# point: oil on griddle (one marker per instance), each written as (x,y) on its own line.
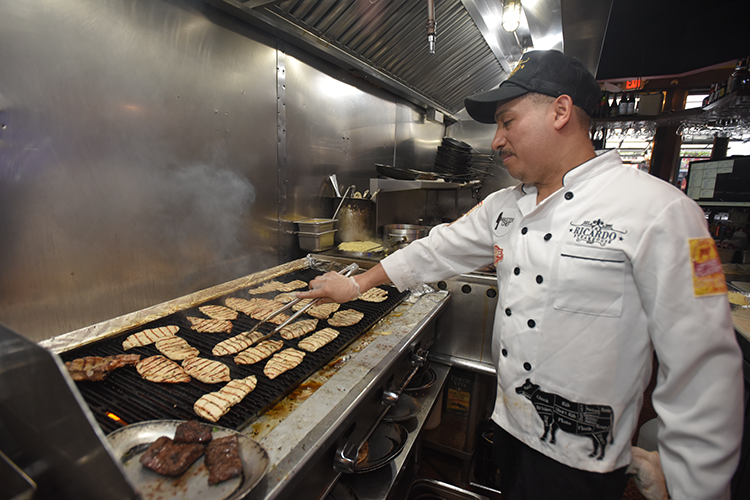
(125,398)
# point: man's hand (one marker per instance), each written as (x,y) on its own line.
(332,287)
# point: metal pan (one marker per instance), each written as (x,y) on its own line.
(385,443)
(406,408)
(130,442)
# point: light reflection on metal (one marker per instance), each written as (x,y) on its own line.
(511,15)
(431,26)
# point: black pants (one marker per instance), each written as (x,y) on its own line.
(526,474)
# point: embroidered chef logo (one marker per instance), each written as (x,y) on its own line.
(596,231)
(498,255)
(503,221)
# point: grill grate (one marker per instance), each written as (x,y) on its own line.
(125,394)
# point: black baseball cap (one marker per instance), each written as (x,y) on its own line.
(548,72)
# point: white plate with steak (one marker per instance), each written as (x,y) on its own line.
(131,442)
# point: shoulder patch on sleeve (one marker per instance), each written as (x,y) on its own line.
(467,213)
(708,275)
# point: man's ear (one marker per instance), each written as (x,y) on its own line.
(563,111)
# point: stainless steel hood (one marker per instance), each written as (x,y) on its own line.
(385,41)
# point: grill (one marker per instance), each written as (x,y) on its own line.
(125,398)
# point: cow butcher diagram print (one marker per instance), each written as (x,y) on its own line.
(580,419)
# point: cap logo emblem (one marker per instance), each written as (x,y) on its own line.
(521,64)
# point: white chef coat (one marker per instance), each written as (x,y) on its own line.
(591,281)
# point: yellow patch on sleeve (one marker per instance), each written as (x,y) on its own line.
(708,275)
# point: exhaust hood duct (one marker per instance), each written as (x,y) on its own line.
(431,25)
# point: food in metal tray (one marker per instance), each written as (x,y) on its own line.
(259,352)
(193,431)
(223,459)
(161,370)
(318,339)
(738,299)
(236,344)
(149,336)
(210,325)
(176,348)
(214,311)
(347,317)
(374,295)
(96,369)
(206,370)
(283,361)
(322,311)
(214,405)
(298,329)
(169,458)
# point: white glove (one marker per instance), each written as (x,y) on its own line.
(332,287)
(649,478)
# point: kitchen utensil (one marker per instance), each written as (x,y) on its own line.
(316,225)
(341,202)
(404,233)
(316,242)
(335,184)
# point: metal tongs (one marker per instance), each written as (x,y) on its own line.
(347,271)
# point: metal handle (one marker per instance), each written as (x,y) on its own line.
(341,202)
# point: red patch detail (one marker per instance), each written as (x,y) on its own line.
(498,255)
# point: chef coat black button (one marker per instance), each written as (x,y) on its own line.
(531,323)
(547,236)
(568,195)
(507,312)
(517,271)
(524,230)
(539,279)
(527,366)
(505,353)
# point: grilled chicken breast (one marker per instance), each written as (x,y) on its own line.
(374,295)
(210,325)
(318,339)
(218,312)
(285,297)
(95,369)
(298,329)
(263,308)
(259,352)
(270,286)
(146,337)
(347,317)
(214,405)
(161,370)
(292,285)
(236,344)
(176,348)
(283,361)
(322,311)
(207,370)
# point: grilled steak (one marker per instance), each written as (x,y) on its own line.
(223,459)
(259,352)
(322,311)
(193,431)
(169,458)
(298,329)
(218,312)
(206,370)
(283,361)
(176,348)
(347,317)
(95,369)
(318,339)
(213,405)
(374,295)
(210,325)
(160,369)
(236,344)
(146,337)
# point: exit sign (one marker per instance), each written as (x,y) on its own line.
(633,84)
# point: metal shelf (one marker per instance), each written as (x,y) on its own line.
(723,203)
(389,185)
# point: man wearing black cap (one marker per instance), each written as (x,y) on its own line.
(599,266)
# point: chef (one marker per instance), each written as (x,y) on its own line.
(599,266)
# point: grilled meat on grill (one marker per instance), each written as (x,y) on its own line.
(292,285)
(218,312)
(285,297)
(193,431)
(223,459)
(95,368)
(262,308)
(169,458)
(213,405)
(210,325)
(322,311)
(347,317)
(298,329)
(162,370)
(301,304)
(176,348)
(206,370)
(236,344)
(374,295)
(270,286)
(259,352)
(283,361)
(318,339)
(149,336)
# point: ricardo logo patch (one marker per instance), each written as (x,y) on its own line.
(708,275)
(498,255)
(596,231)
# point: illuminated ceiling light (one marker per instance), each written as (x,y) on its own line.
(511,15)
